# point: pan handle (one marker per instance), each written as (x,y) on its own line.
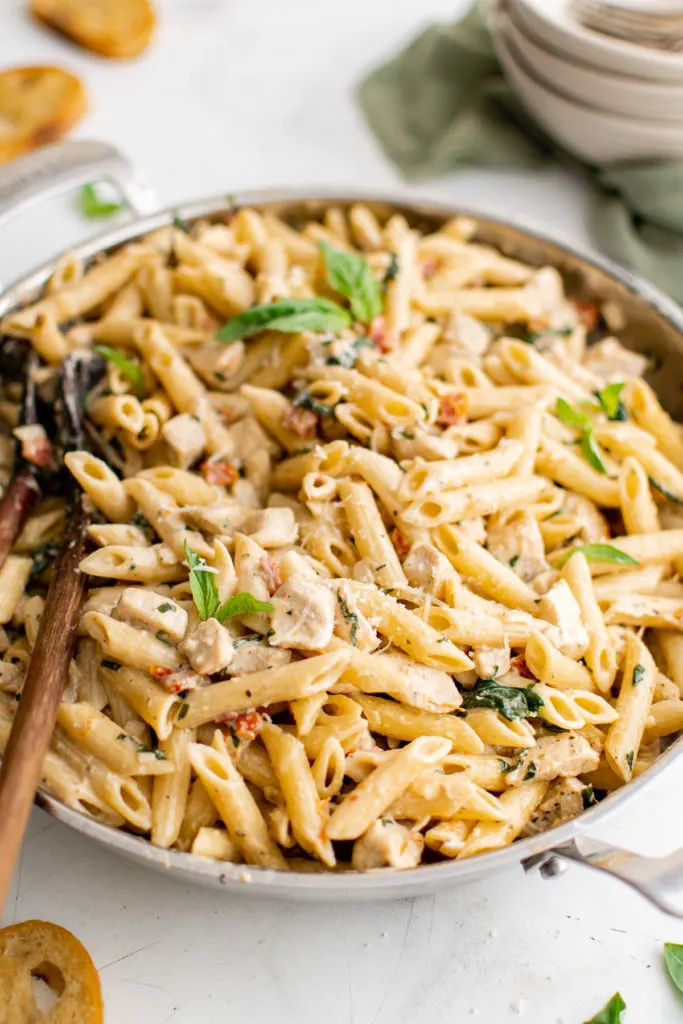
(658,879)
(56,169)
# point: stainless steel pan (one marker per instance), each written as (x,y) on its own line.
(655,324)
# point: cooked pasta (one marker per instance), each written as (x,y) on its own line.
(378,566)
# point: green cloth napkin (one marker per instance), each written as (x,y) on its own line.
(443,103)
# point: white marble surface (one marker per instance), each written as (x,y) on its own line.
(244,93)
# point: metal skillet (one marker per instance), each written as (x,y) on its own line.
(654,323)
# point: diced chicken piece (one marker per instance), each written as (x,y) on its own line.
(255,655)
(466,334)
(591,524)
(426,568)
(185,438)
(160,614)
(565,754)
(491,662)
(474,528)
(223,519)
(349,623)
(517,541)
(547,285)
(256,575)
(248,436)
(11,676)
(209,648)
(387,844)
(559,607)
(563,801)
(215,362)
(610,361)
(303,615)
(271,527)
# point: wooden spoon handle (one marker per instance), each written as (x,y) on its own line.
(45,681)
(18,500)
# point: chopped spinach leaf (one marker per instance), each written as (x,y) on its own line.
(511,701)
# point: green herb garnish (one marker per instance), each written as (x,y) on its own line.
(599,553)
(125,365)
(351,276)
(165,607)
(392,270)
(611,403)
(182,711)
(92,207)
(588,797)
(288,316)
(610,1013)
(580,421)
(630,758)
(512,701)
(638,674)
(350,617)
(673,958)
(531,772)
(206,597)
(667,494)
(142,748)
(304,400)
(349,357)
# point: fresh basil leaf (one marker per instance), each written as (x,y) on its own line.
(512,701)
(673,958)
(581,421)
(92,206)
(289,316)
(241,604)
(351,276)
(203,585)
(572,417)
(591,452)
(599,553)
(611,403)
(611,1013)
(638,673)
(125,365)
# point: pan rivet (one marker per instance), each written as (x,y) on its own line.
(552,867)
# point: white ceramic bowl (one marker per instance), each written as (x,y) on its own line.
(602,90)
(551,23)
(592,135)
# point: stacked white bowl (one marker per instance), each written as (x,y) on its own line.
(605,100)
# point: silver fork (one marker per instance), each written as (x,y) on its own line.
(661,28)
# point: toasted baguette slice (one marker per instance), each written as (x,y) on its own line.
(114,28)
(37,105)
(57,956)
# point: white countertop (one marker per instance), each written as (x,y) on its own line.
(245,93)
